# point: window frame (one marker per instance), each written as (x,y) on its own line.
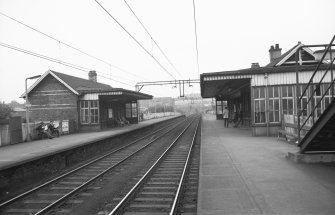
(90,112)
(259,101)
(304,99)
(274,96)
(285,97)
(131,110)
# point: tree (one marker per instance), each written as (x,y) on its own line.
(5,110)
(15,104)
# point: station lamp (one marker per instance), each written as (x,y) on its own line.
(27,105)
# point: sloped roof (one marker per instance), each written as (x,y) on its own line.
(287,56)
(74,84)
(276,61)
(80,84)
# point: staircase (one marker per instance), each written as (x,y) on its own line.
(321,137)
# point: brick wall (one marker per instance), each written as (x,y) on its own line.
(51,100)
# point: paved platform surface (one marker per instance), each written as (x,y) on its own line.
(241,174)
(12,155)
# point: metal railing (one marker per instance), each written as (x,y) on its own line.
(316,97)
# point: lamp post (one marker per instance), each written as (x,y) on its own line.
(27,106)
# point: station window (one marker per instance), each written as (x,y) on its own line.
(274,107)
(328,96)
(304,107)
(259,104)
(219,107)
(131,110)
(110,113)
(317,100)
(287,99)
(89,112)
(134,110)
(128,110)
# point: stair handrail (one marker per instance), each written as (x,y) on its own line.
(311,97)
(318,85)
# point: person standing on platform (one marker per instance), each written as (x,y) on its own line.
(225,114)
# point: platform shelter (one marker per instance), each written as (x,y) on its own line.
(265,98)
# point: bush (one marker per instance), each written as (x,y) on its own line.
(5,111)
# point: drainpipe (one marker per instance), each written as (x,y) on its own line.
(267,105)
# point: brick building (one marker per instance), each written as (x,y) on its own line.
(87,104)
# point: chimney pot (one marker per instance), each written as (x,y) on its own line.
(255,65)
(92,76)
(274,52)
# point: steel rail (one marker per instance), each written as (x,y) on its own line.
(125,199)
(182,179)
(85,165)
(58,201)
(74,170)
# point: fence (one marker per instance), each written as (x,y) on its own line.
(147,116)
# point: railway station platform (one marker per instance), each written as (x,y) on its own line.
(240,174)
(13,155)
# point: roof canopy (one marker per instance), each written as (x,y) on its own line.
(81,87)
(222,84)
(115,94)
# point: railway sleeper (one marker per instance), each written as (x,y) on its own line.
(149,207)
(156,194)
(162,183)
(159,189)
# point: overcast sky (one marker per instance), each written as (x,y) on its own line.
(231,35)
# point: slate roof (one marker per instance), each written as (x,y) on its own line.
(276,61)
(81,84)
(272,67)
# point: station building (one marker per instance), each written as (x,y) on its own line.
(85,103)
(265,98)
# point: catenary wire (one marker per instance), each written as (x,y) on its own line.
(196,36)
(68,45)
(138,19)
(74,66)
(135,39)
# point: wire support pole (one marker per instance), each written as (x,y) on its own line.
(181,84)
(196,37)
(138,43)
(173,82)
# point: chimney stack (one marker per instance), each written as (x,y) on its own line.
(275,52)
(254,65)
(92,76)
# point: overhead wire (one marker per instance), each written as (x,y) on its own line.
(196,36)
(64,63)
(74,66)
(134,39)
(68,45)
(146,30)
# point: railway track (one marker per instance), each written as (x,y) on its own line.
(162,188)
(55,192)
